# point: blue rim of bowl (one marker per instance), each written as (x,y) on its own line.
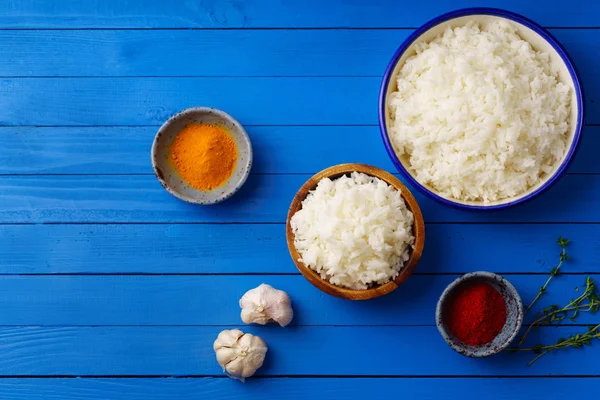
(513,17)
(221,114)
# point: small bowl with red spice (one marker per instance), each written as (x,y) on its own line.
(201,155)
(479,314)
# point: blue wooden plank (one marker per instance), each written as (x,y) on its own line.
(226,53)
(41,249)
(586,159)
(150,101)
(142,101)
(208,249)
(269,13)
(119,150)
(264,198)
(330,351)
(213,300)
(202,53)
(278,149)
(293,388)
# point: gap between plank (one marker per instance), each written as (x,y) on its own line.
(265,273)
(275,28)
(283,223)
(177,76)
(158,125)
(220,325)
(251,173)
(158,376)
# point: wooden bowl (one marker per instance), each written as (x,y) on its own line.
(418,232)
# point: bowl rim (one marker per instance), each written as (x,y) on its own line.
(418,232)
(201,110)
(495,12)
(486,275)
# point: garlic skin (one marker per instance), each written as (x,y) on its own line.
(266,304)
(240,354)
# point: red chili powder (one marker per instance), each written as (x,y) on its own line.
(476,313)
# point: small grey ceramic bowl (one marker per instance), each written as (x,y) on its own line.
(168,176)
(514,314)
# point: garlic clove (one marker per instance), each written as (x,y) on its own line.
(280,308)
(253,350)
(265,304)
(227,338)
(226,355)
(250,315)
(236,368)
(239,354)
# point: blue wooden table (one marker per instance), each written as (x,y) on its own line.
(108,279)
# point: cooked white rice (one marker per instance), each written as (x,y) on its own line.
(355,231)
(480,114)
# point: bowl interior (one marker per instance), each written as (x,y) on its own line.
(418,232)
(166,172)
(514,314)
(539,43)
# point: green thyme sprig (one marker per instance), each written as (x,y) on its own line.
(577,341)
(554,271)
(588,301)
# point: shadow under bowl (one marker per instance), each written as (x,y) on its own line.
(166,173)
(418,232)
(514,314)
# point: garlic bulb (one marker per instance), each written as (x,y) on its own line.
(240,354)
(266,304)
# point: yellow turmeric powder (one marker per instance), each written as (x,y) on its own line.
(204,155)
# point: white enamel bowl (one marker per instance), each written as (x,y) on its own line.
(541,40)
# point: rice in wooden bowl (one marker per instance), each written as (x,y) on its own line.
(383,257)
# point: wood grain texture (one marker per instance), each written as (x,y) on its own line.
(198,53)
(269,13)
(213,300)
(226,52)
(290,388)
(278,149)
(125,150)
(418,231)
(318,351)
(81,102)
(264,198)
(208,249)
(150,101)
